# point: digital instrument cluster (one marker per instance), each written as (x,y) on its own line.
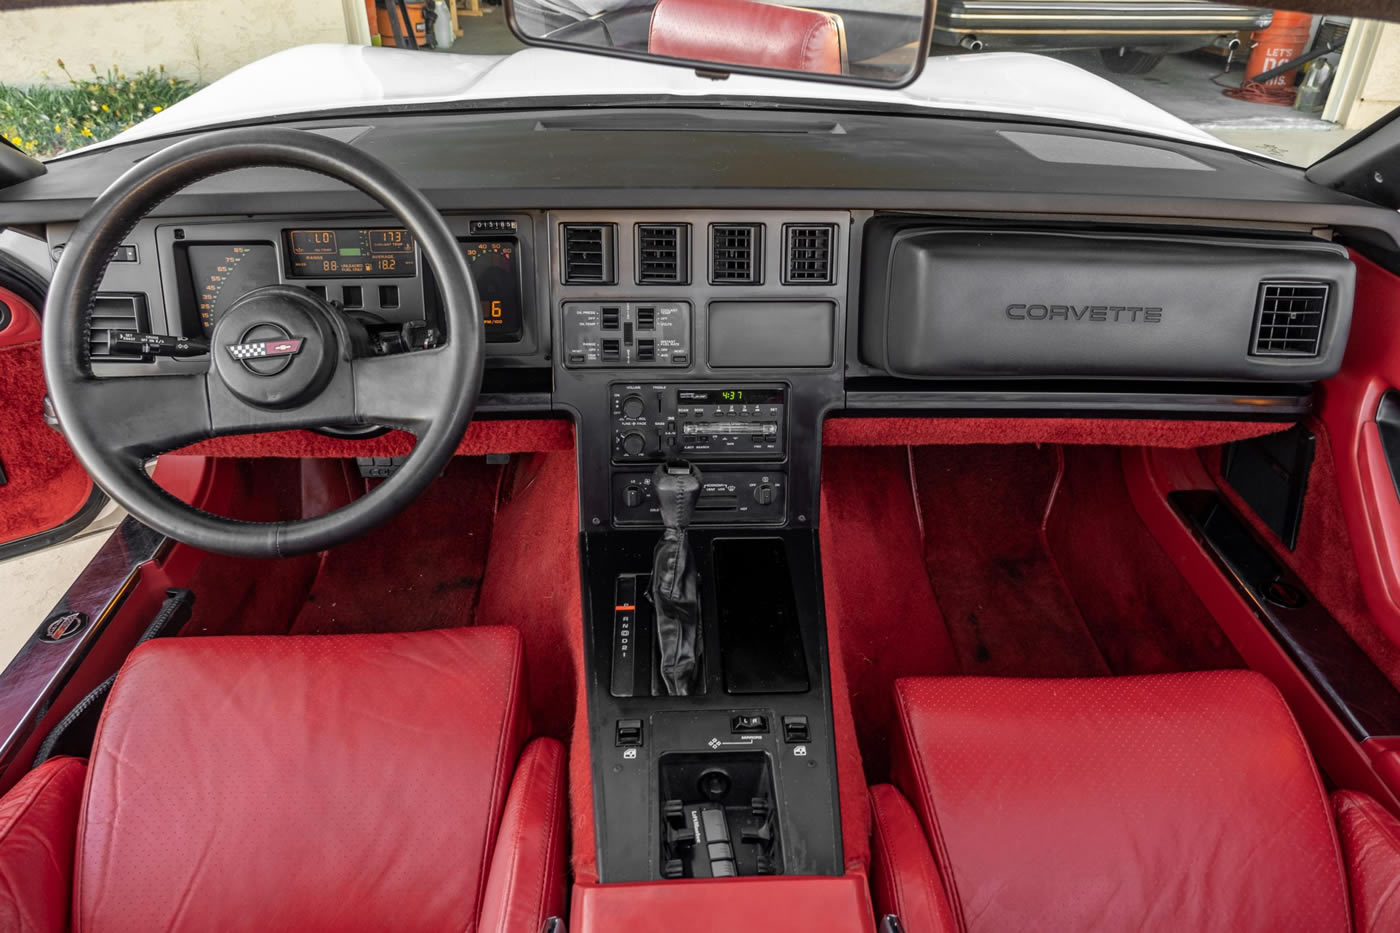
(362,269)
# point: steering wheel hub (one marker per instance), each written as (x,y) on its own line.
(276,347)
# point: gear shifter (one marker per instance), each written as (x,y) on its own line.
(675,591)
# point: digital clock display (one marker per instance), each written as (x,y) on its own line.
(734,396)
(352,253)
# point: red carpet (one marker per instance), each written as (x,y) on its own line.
(1007,608)
(420,570)
(46,486)
(1139,610)
(879,604)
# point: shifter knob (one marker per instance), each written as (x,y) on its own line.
(675,590)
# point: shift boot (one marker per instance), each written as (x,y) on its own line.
(675,592)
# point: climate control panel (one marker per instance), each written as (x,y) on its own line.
(614,334)
(698,421)
(727,497)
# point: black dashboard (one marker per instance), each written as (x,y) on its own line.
(634,262)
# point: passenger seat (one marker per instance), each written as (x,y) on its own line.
(1164,802)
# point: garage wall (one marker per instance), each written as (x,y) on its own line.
(196,39)
(1380,91)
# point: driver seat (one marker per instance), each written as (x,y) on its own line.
(346,782)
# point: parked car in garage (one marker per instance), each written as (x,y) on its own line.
(1131,35)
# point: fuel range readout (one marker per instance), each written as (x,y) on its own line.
(338,253)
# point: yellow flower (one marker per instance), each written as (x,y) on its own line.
(57,128)
(17,141)
(87,132)
(157,108)
(106,108)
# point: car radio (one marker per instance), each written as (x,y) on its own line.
(698,422)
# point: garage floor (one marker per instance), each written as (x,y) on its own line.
(1190,86)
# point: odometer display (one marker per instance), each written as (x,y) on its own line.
(351,253)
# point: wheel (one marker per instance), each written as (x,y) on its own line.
(319,376)
(1122,61)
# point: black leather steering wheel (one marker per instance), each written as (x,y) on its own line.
(260,378)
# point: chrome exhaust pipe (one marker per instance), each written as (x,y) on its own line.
(971,43)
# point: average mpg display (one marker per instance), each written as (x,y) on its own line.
(340,253)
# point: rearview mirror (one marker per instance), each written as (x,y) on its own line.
(872,42)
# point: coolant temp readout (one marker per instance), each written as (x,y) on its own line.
(385,251)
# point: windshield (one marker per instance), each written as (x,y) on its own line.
(1292,86)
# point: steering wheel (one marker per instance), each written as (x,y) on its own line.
(280,357)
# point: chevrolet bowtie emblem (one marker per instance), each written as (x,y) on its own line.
(290,346)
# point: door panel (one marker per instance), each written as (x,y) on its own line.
(1351,403)
(45,495)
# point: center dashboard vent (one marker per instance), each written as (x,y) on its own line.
(1289,318)
(663,252)
(736,254)
(116,312)
(588,254)
(808,254)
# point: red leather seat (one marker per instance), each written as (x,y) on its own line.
(743,32)
(346,782)
(1168,802)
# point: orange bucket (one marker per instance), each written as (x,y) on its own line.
(1284,40)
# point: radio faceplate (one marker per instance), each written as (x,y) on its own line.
(698,421)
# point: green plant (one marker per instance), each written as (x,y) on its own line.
(45,121)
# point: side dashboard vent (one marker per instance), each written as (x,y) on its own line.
(112,313)
(1288,320)
(663,251)
(588,254)
(809,256)
(736,254)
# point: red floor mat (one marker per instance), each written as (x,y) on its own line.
(1007,609)
(1141,613)
(420,570)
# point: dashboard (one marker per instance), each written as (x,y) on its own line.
(717,284)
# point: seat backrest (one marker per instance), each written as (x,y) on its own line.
(746,32)
(1168,802)
(321,782)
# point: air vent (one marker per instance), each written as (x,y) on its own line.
(611,315)
(116,312)
(663,251)
(646,318)
(588,254)
(735,254)
(1289,319)
(808,254)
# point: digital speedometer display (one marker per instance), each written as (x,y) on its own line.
(347,253)
(221,274)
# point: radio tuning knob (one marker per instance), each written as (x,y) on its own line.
(633,406)
(634,444)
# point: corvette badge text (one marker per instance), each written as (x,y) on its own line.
(1097,314)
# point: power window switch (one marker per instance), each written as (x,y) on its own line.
(795,729)
(629,733)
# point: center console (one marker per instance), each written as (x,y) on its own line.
(698,402)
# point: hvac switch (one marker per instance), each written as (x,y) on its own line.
(763,494)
